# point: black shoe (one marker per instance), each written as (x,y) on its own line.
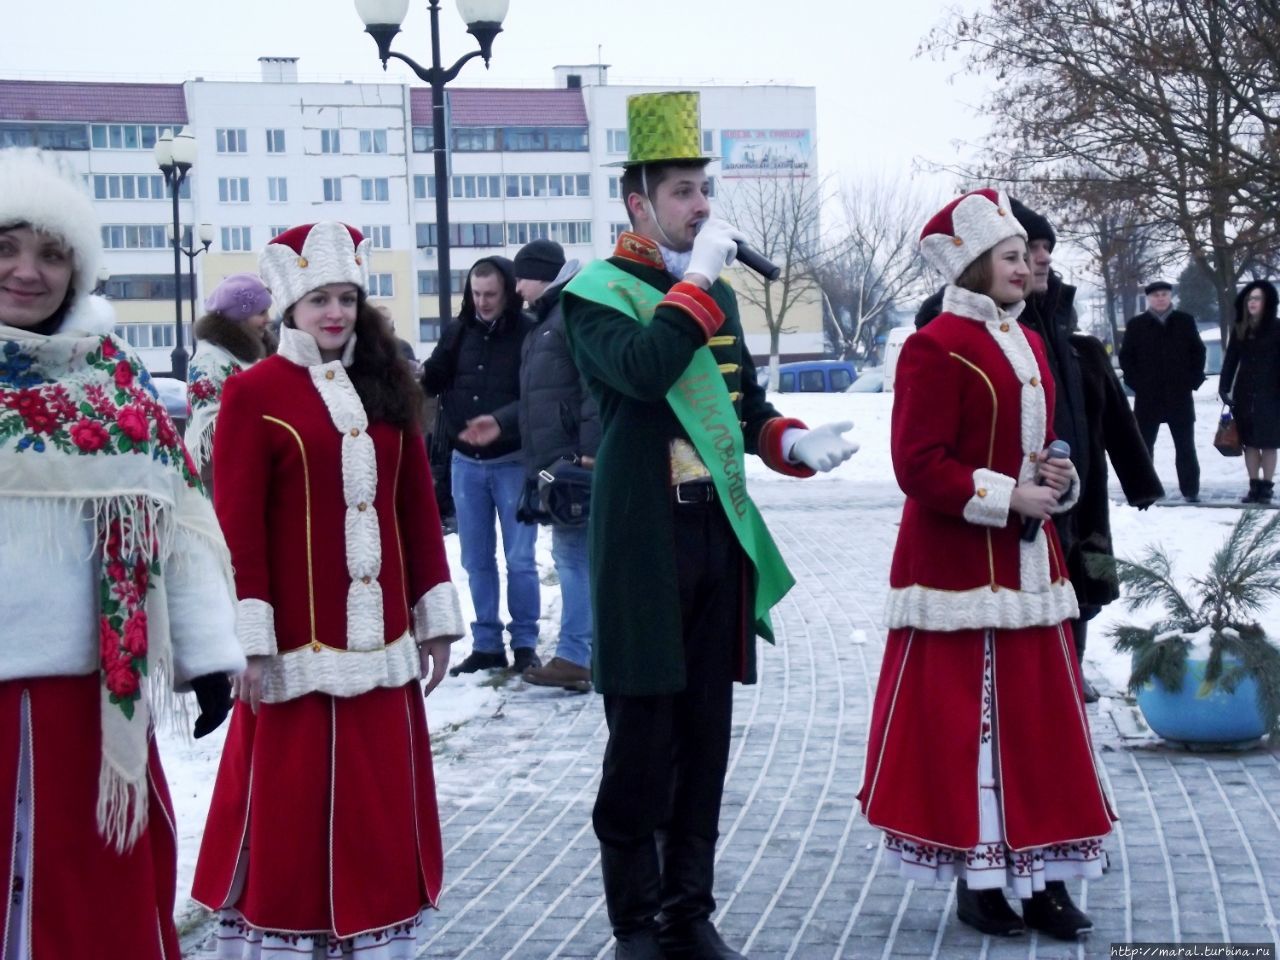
(526,658)
(449,524)
(1089,690)
(1252,495)
(1266,490)
(1191,497)
(480,661)
(638,946)
(987,911)
(697,941)
(1051,912)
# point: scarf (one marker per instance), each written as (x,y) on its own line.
(208,373)
(80,423)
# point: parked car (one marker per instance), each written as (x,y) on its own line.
(870,380)
(173,394)
(892,347)
(1212,337)
(816,376)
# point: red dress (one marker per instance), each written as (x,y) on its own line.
(979,688)
(324,818)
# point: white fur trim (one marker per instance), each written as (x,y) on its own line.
(256,627)
(999,609)
(437,615)
(978,225)
(328,256)
(339,673)
(90,315)
(989,505)
(41,189)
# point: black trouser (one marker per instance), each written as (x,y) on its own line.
(1183,429)
(657,814)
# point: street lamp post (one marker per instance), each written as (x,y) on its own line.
(205,235)
(175,156)
(382,19)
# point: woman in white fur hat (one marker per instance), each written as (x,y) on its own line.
(323,831)
(979,765)
(116,584)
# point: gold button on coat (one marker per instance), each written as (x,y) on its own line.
(329,374)
(1004,328)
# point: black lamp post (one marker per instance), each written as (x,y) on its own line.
(175,157)
(382,19)
(206,238)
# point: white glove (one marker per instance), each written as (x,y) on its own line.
(714,248)
(822,448)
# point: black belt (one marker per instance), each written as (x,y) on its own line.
(695,491)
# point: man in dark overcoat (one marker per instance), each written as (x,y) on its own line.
(683,570)
(1162,357)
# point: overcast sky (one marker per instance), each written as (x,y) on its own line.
(880,109)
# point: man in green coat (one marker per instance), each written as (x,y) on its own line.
(683,570)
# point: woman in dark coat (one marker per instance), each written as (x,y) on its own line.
(1250,384)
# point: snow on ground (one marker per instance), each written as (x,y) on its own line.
(1190,534)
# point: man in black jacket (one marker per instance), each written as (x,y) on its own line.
(475,370)
(558,421)
(1162,357)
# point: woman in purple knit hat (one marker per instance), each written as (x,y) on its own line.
(234,333)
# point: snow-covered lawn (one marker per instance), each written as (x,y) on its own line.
(1190,534)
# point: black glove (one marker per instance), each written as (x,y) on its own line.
(213,693)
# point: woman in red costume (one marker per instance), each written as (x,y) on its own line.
(323,836)
(979,763)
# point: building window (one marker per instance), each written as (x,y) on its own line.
(423,139)
(561,231)
(46,136)
(330,141)
(615,187)
(129,236)
(616,230)
(332,189)
(475,139)
(144,286)
(429,329)
(277,229)
(382,285)
(373,141)
(375,190)
(476,187)
(144,335)
(429,281)
(711,186)
(277,189)
(233,189)
(424,187)
(117,136)
(236,239)
(707,140)
(379,236)
(462,235)
(129,186)
(616,141)
(547,185)
(275,141)
(232,141)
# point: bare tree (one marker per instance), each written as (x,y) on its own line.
(780,214)
(871,263)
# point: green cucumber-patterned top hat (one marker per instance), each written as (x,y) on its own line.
(662,127)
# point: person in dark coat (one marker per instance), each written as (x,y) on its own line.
(1250,384)
(475,370)
(558,420)
(1162,357)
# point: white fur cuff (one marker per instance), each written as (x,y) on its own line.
(256,627)
(989,505)
(437,615)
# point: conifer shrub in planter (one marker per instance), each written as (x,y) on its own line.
(1207,673)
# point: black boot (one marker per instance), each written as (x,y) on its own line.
(1051,912)
(697,941)
(1252,495)
(1266,488)
(476,660)
(688,874)
(631,895)
(987,911)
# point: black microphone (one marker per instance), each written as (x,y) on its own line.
(758,262)
(1058,450)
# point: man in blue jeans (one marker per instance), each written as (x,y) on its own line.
(558,421)
(475,370)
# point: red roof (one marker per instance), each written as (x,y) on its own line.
(497,107)
(88,102)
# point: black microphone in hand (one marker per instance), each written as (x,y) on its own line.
(757,261)
(1058,450)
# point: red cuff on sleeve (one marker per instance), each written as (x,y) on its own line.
(698,304)
(770,447)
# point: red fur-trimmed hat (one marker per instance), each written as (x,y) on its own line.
(966,228)
(312,255)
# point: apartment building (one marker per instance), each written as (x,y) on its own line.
(523,163)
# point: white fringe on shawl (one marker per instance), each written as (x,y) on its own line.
(211,362)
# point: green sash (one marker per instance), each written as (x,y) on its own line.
(702,404)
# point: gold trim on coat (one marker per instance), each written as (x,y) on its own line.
(306,482)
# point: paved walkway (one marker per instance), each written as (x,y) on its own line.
(1196,856)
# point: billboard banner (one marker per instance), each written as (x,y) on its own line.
(765,153)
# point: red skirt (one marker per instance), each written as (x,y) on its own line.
(323,818)
(921,778)
(80,898)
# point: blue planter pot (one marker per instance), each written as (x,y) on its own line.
(1219,719)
